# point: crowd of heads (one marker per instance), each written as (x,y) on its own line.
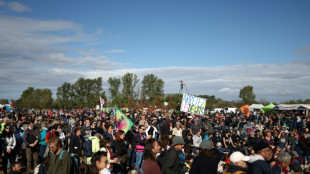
(282,137)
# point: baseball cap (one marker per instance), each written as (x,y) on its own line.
(238,156)
(218,144)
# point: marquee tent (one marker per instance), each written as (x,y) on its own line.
(255,107)
(267,108)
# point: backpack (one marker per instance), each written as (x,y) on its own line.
(88,148)
(161,159)
(75,162)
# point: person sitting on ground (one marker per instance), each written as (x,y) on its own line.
(283,162)
(16,167)
(237,163)
(207,155)
(257,163)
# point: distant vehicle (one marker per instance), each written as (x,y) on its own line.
(230,110)
(218,110)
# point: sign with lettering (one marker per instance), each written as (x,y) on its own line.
(192,104)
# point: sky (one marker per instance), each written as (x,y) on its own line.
(215,47)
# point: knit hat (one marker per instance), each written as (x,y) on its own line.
(260,146)
(206,144)
(177,140)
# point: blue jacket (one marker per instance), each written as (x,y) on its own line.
(43,135)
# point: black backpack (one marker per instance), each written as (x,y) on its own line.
(87,148)
(161,159)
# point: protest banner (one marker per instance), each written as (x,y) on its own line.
(245,110)
(192,104)
(123,122)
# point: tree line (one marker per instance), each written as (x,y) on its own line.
(123,92)
(85,93)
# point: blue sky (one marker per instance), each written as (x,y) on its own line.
(227,39)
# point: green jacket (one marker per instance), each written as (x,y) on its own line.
(60,166)
(95,147)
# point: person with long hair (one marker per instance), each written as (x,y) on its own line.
(151,149)
(120,149)
(75,145)
(99,163)
(207,160)
(8,147)
(105,146)
(101,127)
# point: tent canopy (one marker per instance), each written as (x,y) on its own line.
(255,106)
(292,107)
(268,108)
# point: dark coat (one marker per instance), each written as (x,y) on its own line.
(207,165)
(172,162)
(260,167)
(120,149)
(233,169)
(75,145)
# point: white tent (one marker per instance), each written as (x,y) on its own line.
(255,106)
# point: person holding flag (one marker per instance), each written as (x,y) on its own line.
(101,103)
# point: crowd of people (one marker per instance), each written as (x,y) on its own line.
(89,142)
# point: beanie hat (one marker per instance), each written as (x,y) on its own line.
(206,144)
(177,140)
(260,146)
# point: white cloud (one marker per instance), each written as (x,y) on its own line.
(114,51)
(229,90)
(305,50)
(18,7)
(31,55)
(2,3)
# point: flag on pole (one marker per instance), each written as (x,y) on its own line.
(245,110)
(123,122)
(101,103)
(11,103)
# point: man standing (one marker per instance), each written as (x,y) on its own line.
(173,161)
(237,163)
(31,139)
(60,162)
(257,162)
(149,165)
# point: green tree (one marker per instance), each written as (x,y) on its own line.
(129,81)
(35,98)
(152,86)
(114,87)
(87,92)
(45,98)
(247,95)
(83,93)
(65,96)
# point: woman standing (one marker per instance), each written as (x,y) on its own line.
(75,145)
(120,148)
(105,146)
(8,146)
(101,128)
